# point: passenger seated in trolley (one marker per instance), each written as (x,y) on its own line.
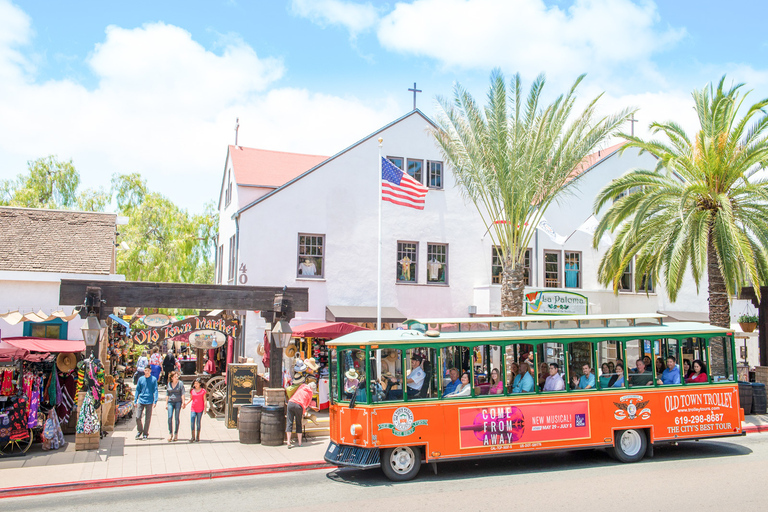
(617,380)
(586,381)
(699,372)
(523,382)
(554,381)
(641,377)
(454,383)
(671,375)
(414,380)
(463,389)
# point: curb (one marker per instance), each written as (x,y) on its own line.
(15,492)
(754,429)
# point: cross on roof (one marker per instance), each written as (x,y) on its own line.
(414,90)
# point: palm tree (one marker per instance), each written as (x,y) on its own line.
(512,158)
(702,206)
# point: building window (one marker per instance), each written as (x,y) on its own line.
(311,256)
(55,329)
(551,269)
(220,264)
(407,257)
(437,263)
(497,268)
(646,284)
(434,174)
(572,269)
(397,161)
(228,193)
(232,259)
(625,284)
(415,169)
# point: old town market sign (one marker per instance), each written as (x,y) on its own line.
(195,323)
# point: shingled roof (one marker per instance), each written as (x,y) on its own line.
(40,240)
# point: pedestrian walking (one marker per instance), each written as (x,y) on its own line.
(197,399)
(145,401)
(174,403)
(142,363)
(155,362)
(169,365)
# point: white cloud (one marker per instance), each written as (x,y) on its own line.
(528,36)
(354,17)
(163,106)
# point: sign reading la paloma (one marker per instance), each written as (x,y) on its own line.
(197,323)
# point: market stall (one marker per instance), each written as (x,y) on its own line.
(37,387)
(310,341)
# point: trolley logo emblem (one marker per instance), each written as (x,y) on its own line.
(632,406)
(402,422)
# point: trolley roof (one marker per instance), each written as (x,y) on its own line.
(531,336)
(632,318)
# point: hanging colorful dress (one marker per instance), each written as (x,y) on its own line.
(88,420)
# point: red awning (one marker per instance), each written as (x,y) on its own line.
(8,352)
(46,344)
(329,330)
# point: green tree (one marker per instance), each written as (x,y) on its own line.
(512,157)
(49,183)
(701,207)
(165,242)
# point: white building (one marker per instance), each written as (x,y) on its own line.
(41,247)
(279,209)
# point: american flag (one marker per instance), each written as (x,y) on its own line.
(399,188)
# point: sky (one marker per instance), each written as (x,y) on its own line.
(155,87)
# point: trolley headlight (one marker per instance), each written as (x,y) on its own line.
(356,429)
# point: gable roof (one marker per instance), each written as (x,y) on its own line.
(591,160)
(265,168)
(320,164)
(40,240)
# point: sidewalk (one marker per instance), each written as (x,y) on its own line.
(122,460)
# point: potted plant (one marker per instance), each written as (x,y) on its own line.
(748,323)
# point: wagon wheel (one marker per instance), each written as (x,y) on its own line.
(16,446)
(216,391)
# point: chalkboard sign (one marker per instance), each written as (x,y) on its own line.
(241,380)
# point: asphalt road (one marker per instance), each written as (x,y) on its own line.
(721,475)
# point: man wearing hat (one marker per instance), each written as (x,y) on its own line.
(414,381)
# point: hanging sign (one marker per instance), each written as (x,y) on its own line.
(207,339)
(195,323)
(156,320)
(556,302)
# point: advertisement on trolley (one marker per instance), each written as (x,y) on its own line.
(524,425)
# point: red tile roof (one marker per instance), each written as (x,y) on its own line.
(593,159)
(269,168)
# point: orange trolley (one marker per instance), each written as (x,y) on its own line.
(394,402)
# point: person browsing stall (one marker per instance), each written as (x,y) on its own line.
(297,406)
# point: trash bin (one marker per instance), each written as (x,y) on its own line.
(249,424)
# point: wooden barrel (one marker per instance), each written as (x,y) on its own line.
(249,424)
(273,425)
(745,396)
(758,398)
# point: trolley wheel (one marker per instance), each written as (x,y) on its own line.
(216,393)
(17,446)
(630,445)
(401,463)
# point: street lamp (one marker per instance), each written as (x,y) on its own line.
(91,331)
(282,333)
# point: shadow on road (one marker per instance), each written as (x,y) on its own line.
(542,462)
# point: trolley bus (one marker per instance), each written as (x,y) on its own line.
(394,402)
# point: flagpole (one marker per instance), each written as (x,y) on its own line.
(378,259)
